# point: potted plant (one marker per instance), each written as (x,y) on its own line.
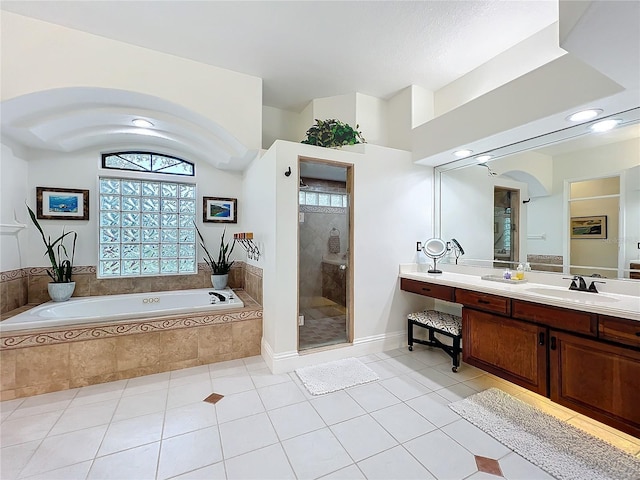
(61,288)
(220,268)
(333,133)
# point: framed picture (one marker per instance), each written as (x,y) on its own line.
(589,227)
(62,203)
(219,210)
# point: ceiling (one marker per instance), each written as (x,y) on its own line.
(312,49)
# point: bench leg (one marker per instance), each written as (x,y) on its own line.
(456,354)
(410,333)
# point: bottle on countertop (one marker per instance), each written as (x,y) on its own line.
(507,274)
(520,272)
(527,267)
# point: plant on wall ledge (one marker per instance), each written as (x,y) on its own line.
(333,133)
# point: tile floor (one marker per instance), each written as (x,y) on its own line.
(325,323)
(268,427)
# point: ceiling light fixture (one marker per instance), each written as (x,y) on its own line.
(462,153)
(483,158)
(584,115)
(605,125)
(142,123)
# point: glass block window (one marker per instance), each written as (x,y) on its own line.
(323,199)
(146,228)
(147,162)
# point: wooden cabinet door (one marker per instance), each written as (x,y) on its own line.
(511,349)
(597,379)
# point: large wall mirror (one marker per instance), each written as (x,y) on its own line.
(567,202)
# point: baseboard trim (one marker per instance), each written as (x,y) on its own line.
(288,361)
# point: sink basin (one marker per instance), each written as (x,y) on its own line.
(572,295)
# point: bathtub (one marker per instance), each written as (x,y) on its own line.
(107,308)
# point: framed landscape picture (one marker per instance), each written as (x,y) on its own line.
(589,227)
(220,210)
(62,203)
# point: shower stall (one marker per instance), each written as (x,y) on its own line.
(324,265)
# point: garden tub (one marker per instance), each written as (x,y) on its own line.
(114,308)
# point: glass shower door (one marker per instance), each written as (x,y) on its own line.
(323,269)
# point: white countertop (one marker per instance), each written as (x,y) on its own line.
(616,305)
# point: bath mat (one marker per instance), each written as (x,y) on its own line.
(562,450)
(333,376)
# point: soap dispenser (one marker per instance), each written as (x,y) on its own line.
(520,272)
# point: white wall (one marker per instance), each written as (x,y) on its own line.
(259,217)
(341,107)
(372,119)
(14,192)
(38,56)
(279,124)
(391,212)
(527,55)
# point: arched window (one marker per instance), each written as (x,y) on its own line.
(146,225)
(147,162)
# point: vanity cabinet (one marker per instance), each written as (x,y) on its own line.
(511,349)
(432,290)
(585,361)
(597,379)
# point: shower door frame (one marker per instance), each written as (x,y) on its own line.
(350,264)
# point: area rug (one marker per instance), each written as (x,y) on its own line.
(562,450)
(333,376)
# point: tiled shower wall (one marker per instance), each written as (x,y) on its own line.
(29,285)
(314,243)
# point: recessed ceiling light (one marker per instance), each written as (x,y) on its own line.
(142,123)
(483,158)
(584,115)
(605,125)
(462,153)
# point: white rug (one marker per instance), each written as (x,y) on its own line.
(564,451)
(334,376)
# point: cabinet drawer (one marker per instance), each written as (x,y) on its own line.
(559,318)
(619,330)
(484,301)
(433,290)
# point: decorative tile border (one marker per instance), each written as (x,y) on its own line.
(13,274)
(14,340)
(84,269)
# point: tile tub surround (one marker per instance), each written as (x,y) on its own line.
(29,285)
(40,361)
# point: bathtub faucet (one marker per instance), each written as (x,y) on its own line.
(217,295)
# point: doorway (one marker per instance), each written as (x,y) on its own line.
(324,254)
(506,215)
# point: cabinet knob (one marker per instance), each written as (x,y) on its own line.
(484,302)
(541,338)
(637,334)
(553,343)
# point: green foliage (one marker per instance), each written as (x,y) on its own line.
(60,269)
(223,265)
(333,133)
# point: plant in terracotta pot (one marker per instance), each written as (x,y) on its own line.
(333,133)
(61,288)
(220,268)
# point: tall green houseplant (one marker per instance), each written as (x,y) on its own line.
(333,133)
(61,269)
(223,264)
